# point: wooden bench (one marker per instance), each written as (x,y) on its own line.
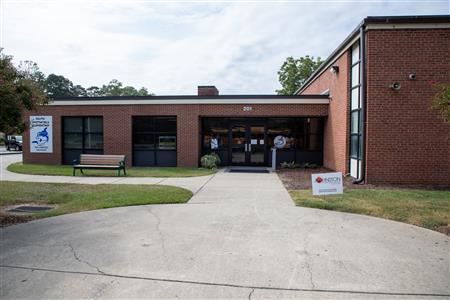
(95,161)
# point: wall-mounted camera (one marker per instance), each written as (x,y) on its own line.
(396,86)
(412,76)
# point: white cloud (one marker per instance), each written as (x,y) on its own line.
(173,47)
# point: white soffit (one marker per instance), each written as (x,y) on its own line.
(190,101)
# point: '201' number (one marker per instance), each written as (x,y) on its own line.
(247,108)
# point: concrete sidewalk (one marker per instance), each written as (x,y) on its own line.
(239,237)
(190,183)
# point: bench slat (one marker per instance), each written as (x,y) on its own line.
(100,161)
(93,159)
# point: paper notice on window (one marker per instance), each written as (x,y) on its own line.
(254,142)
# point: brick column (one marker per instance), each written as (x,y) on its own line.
(188,133)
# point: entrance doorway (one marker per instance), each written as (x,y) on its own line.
(248,143)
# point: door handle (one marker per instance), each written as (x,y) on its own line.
(245,147)
(249,147)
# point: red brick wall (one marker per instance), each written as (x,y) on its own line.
(117,125)
(407,141)
(336,131)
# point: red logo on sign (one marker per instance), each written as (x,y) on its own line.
(319,179)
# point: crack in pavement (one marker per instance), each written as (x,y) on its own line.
(308,266)
(75,255)
(160,233)
(251,293)
(31,269)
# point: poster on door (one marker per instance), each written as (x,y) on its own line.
(41,134)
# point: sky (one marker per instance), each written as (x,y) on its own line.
(171,47)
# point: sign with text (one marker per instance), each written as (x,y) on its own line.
(41,134)
(327,184)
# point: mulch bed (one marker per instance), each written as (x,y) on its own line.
(300,179)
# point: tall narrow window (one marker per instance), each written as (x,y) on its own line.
(355,112)
(81,135)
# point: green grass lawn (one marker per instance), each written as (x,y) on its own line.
(64,170)
(71,198)
(429,209)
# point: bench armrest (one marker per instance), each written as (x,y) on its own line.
(76,162)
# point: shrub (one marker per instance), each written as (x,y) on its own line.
(210,161)
(289,165)
(310,165)
(441,100)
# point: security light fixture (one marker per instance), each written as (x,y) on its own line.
(396,86)
(334,69)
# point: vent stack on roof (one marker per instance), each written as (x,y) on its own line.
(207,90)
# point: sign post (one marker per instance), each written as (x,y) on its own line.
(41,134)
(327,184)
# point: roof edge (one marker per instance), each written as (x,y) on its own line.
(372,20)
(189,97)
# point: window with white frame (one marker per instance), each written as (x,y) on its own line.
(355,112)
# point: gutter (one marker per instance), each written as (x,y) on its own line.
(362,97)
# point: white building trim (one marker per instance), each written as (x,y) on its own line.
(189,101)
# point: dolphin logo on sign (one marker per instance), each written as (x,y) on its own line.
(41,137)
(279,141)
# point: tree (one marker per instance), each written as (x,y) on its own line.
(294,72)
(94,91)
(59,86)
(79,91)
(113,88)
(19,91)
(30,70)
(116,88)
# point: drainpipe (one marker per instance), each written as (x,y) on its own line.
(362,121)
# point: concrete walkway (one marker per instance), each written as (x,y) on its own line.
(190,183)
(239,237)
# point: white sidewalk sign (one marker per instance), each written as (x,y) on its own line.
(327,184)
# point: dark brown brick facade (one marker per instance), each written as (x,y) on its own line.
(117,125)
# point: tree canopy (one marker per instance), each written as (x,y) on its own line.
(25,87)
(294,72)
(59,86)
(20,90)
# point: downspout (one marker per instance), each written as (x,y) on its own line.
(362,120)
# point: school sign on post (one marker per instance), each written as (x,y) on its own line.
(41,134)
(327,184)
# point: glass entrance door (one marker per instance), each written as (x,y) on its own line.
(256,145)
(238,144)
(248,144)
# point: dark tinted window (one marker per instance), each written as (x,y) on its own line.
(81,135)
(217,128)
(73,124)
(154,133)
(354,146)
(166,124)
